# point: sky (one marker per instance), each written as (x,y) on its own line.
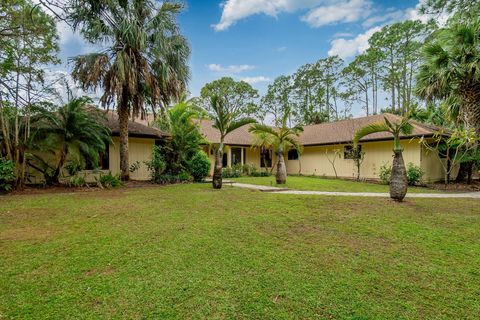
(259,40)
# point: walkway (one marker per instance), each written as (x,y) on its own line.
(474,195)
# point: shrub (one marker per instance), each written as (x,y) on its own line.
(76,181)
(185,176)
(73,167)
(231,172)
(385,173)
(260,174)
(157,165)
(414,174)
(110,181)
(166,179)
(199,166)
(7,174)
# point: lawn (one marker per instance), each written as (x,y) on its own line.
(325,184)
(189,252)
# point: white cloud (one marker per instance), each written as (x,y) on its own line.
(347,11)
(230,69)
(388,17)
(342,35)
(254,80)
(281,49)
(346,48)
(235,10)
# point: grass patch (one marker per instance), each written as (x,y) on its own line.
(324,184)
(189,252)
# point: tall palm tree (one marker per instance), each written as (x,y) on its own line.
(145,61)
(450,72)
(225,121)
(74,130)
(281,140)
(398,180)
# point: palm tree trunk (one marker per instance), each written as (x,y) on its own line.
(281,175)
(123,116)
(217,169)
(398,183)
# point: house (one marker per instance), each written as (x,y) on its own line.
(327,143)
(141,141)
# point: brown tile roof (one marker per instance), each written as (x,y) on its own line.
(321,134)
(240,136)
(135,129)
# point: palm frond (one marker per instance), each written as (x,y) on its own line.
(370,129)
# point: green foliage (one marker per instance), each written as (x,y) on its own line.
(414,174)
(157,164)
(199,166)
(185,176)
(110,180)
(233,172)
(76,181)
(73,167)
(135,166)
(238,96)
(385,173)
(179,122)
(74,131)
(256,173)
(7,175)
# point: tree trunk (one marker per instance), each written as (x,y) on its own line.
(217,170)
(398,181)
(61,162)
(123,116)
(281,175)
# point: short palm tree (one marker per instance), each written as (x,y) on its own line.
(225,121)
(398,180)
(145,61)
(281,140)
(74,130)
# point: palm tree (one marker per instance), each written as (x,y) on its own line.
(280,139)
(398,180)
(74,130)
(225,121)
(450,73)
(145,63)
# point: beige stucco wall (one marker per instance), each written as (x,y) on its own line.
(139,149)
(315,160)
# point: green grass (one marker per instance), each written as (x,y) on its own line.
(189,252)
(324,184)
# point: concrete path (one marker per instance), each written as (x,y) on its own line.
(474,195)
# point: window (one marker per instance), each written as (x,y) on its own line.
(348,152)
(293,154)
(236,156)
(265,158)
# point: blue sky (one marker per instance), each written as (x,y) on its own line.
(258,40)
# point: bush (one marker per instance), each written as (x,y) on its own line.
(76,182)
(260,174)
(157,165)
(7,174)
(185,176)
(199,166)
(73,167)
(385,173)
(110,181)
(231,172)
(167,179)
(414,174)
